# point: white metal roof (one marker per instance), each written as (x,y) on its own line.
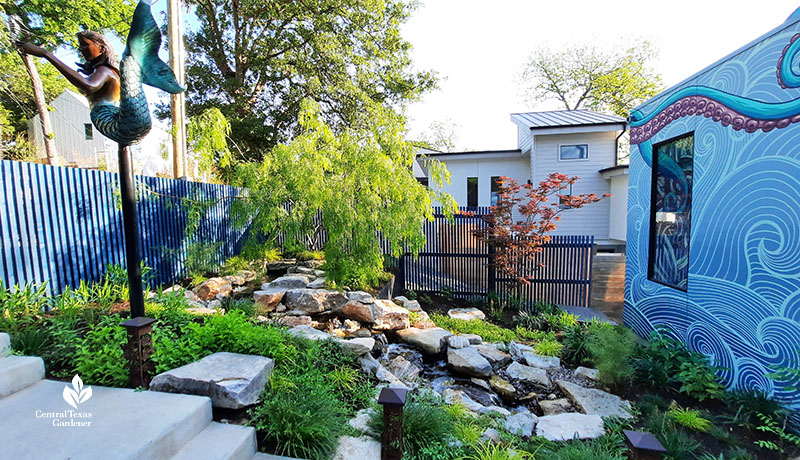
(564,118)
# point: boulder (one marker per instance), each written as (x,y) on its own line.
(400,300)
(235,280)
(490,435)
(318,283)
(362,448)
(290,282)
(503,387)
(555,407)
(309,333)
(456,341)
(215,304)
(468,361)
(388,316)
(521,424)
(452,396)
(495,356)
(474,339)
(431,340)
(595,402)
(542,362)
(267,300)
(213,287)
(358,311)
(372,367)
(587,373)
(532,375)
(314,301)
(565,427)
(360,296)
(356,347)
(190,295)
(403,369)
(421,320)
(231,380)
(412,305)
(305,270)
(517,350)
(294,321)
(466,314)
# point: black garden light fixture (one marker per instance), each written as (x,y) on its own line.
(644,446)
(392,400)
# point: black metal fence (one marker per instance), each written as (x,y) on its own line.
(454,260)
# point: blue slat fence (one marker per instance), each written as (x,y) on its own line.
(62,225)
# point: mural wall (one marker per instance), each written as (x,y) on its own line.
(739,300)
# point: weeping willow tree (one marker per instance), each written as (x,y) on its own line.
(360,180)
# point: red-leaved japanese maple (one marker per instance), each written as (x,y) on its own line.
(522,218)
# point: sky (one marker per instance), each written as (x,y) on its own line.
(479,48)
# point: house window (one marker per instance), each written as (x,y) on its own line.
(574,152)
(472,191)
(671,212)
(495,192)
(87,131)
(423,180)
(562,201)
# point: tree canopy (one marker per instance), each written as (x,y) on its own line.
(585,76)
(257,60)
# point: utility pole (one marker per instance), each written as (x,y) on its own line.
(178,101)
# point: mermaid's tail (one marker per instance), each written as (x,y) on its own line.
(130,121)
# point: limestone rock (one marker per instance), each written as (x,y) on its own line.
(400,300)
(503,387)
(201,311)
(318,283)
(555,407)
(360,296)
(495,356)
(213,287)
(294,321)
(231,380)
(466,313)
(497,410)
(452,396)
(356,347)
(388,316)
(5,344)
(468,361)
(403,369)
(190,295)
(363,448)
(456,341)
(290,282)
(587,373)
(215,305)
(517,350)
(314,300)
(235,280)
(564,427)
(528,374)
(431,341)
(267,300)
(361,421)
(421,320)
(371,366)
(412,305)
(595,402)
(542,362)
(521,424)
(491,435)
(474,339)
(358,311)
(304,270)
(309,333)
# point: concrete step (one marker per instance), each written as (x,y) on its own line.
(263,456)
(125,424)
(5,344)
(18,373)
(220,441)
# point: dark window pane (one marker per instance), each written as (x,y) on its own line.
(87,131)
(423,180)
(495,192)
(671,211)
(472,191)
(574,152)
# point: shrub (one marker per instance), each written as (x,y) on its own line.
(689,418)
(745,404)
(100,359)
(234,265)
(698,380)
(548,347)
(611,349)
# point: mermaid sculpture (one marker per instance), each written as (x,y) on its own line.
(119,107)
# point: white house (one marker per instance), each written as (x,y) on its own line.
(577,143)
(79,144)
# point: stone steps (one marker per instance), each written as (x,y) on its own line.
(19,372)
(220,441)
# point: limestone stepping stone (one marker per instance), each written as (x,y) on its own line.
(231,380)
(592,401)
(431,340)
(361,421)
(468,361)
(555,407)
(543,362)
(565,427)
(466,314)
(528,374)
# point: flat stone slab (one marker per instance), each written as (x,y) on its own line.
(356,347)
(466,314)
(592,401)
(468,361)
(543,362)
(495,356)
(431,340)
(360,296)
(362,448)
(521,424)
(565,427)
(231,380)
(295,281)
(528,374)
(587,373)
(456,341)
(309,332)
(556,406)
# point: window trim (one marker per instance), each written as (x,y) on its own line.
(651,237)
(558,154)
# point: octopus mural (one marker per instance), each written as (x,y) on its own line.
(740,303)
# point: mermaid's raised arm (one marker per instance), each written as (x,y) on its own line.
(87,85)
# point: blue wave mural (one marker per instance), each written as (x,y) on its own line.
(741,306)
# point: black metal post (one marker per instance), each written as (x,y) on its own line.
(130,223)
(392,400)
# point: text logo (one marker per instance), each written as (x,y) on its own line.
(77,394)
